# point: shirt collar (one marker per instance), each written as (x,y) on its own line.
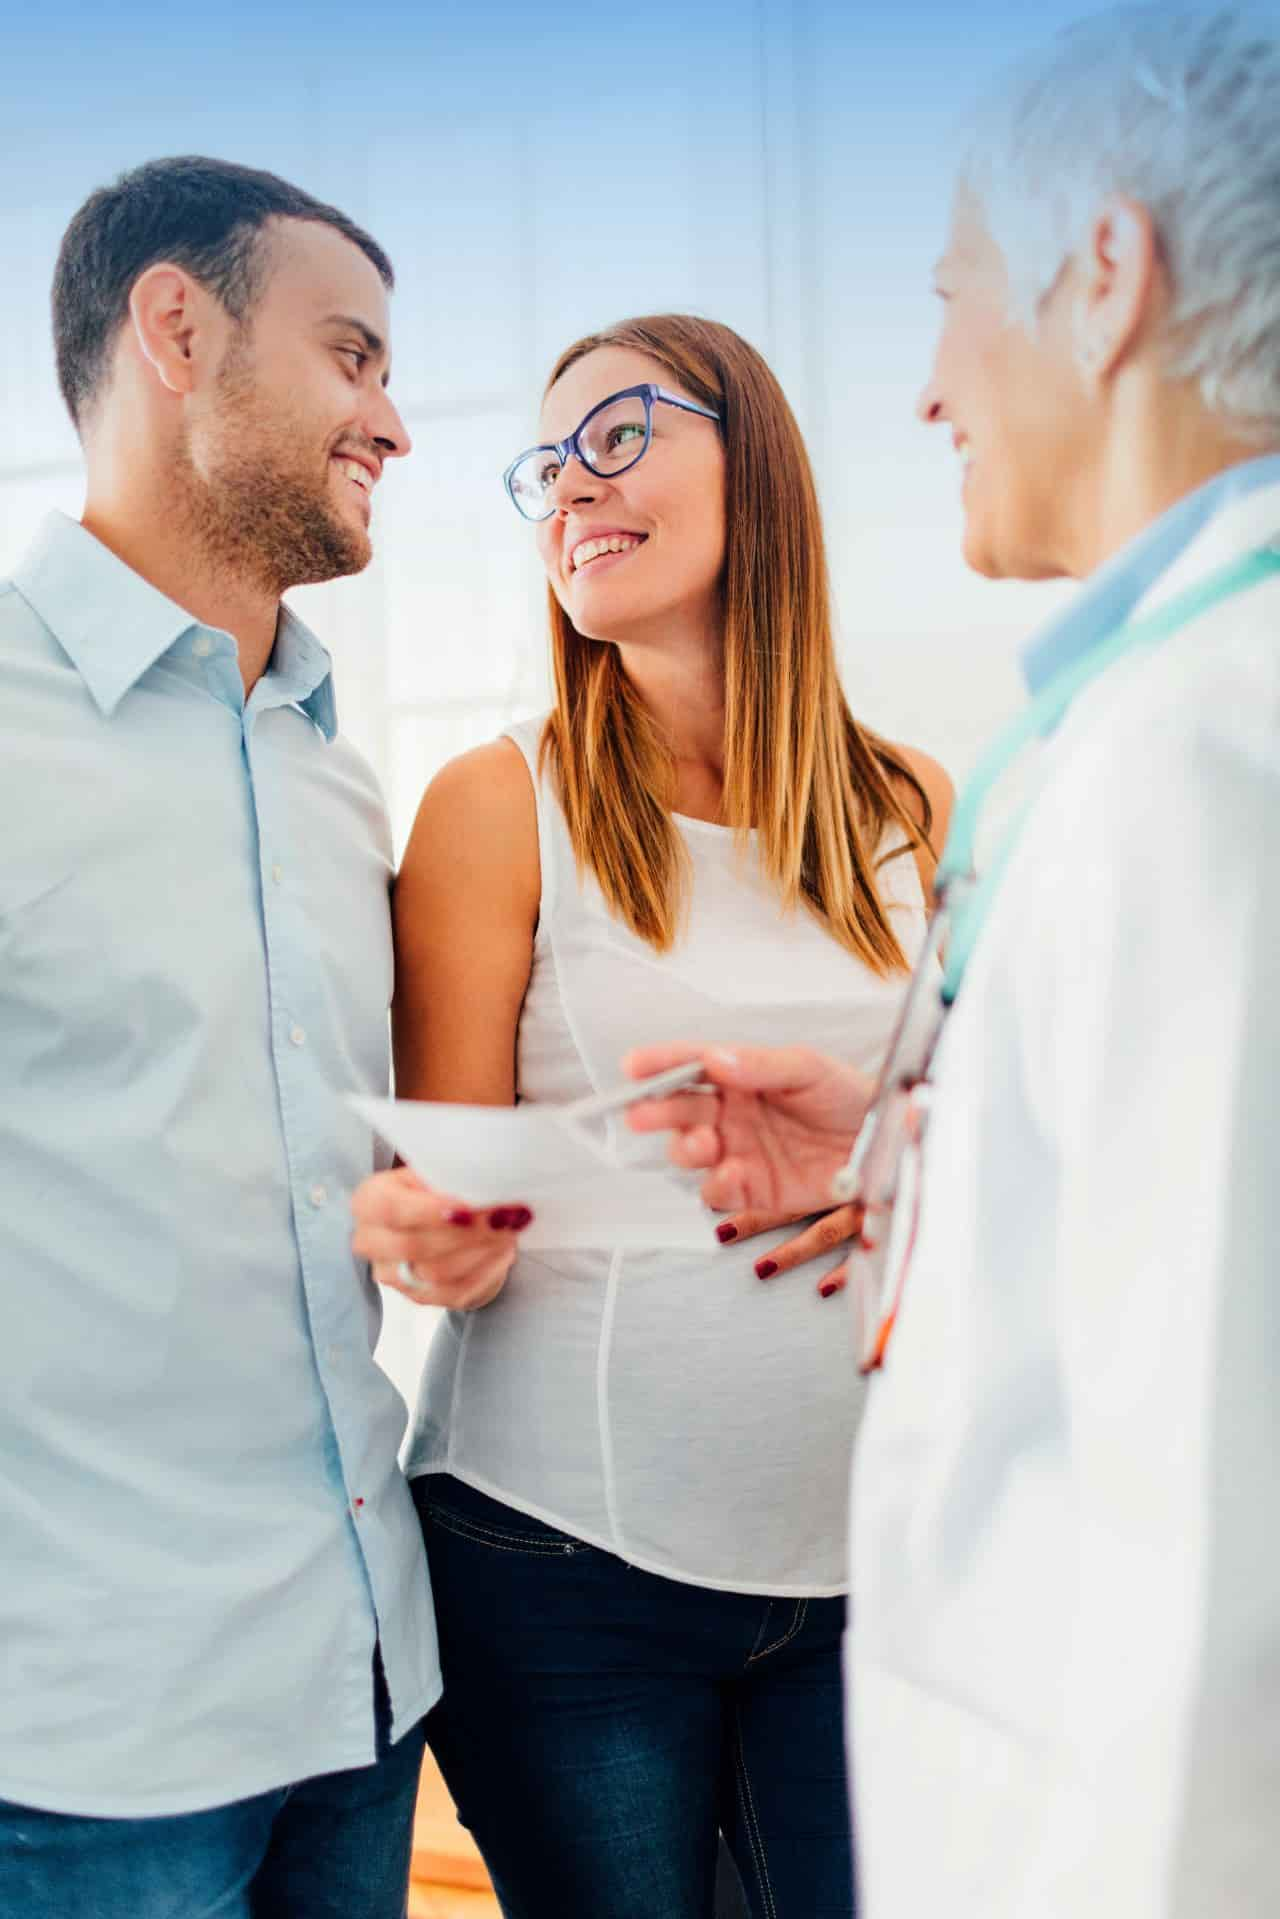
(113,625)
(1113,592)
(301,673)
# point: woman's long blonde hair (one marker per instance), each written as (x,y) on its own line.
(818,788)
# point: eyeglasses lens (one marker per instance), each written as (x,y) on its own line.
(611,440)
(614,437)
(531,484)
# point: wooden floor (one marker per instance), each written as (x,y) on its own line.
(448,1880)
(450,1902)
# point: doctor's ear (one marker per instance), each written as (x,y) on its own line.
(1119,264)
(171,316)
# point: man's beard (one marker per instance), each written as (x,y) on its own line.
(254,509)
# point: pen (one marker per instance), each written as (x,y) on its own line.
(600,1105)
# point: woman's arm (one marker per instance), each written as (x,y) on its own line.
(465,910)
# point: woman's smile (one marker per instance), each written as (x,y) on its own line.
(599,546)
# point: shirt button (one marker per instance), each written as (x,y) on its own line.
(277,873)
(298,1035)
(319,1195)
(203,646)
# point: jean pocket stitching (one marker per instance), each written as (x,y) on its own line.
(786,1637)
(465,1527)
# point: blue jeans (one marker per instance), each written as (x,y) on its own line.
(333,1847)
(600,1724)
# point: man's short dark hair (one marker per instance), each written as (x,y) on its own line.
(206,216)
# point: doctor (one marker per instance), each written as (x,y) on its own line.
(1065,1683)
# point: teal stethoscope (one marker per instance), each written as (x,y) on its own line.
(882,1175)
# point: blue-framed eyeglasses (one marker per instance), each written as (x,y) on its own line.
(611,439)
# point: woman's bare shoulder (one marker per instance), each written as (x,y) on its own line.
(938,787)
(936,784)
(477,826)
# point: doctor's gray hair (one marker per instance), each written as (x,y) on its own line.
(1180,111)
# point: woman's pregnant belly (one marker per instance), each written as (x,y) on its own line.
(669,1406)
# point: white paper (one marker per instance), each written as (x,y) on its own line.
(579,1193)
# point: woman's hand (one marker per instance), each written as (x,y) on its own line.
(836,1228)
(775,1127)
(431,1248)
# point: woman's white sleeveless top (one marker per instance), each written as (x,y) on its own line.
(669,1406)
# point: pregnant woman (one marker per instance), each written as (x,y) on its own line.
(631,1466)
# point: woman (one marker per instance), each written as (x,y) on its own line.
(631,1468)
(1065,1682)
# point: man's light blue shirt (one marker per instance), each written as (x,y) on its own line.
(1111,594)
(203,1526)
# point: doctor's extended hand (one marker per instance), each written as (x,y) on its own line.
(774,1130)
(432,1248)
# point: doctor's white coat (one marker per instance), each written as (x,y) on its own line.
(1065,1643)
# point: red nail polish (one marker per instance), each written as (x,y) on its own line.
(828,1287)
(766,1268)
(725,1233)
(460,1216)
(510,1219)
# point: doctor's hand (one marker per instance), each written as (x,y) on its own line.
(774,1129)
(822,1235)
(432,1248)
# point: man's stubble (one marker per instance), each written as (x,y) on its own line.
(258,503)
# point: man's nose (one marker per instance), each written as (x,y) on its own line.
(387,430)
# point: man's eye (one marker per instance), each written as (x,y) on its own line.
(354,353)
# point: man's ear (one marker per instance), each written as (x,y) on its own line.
(1120,263)
(170,314)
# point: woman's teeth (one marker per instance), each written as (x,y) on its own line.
(592,549)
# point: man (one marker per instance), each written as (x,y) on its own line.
(217,1633)
(1065,1651)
